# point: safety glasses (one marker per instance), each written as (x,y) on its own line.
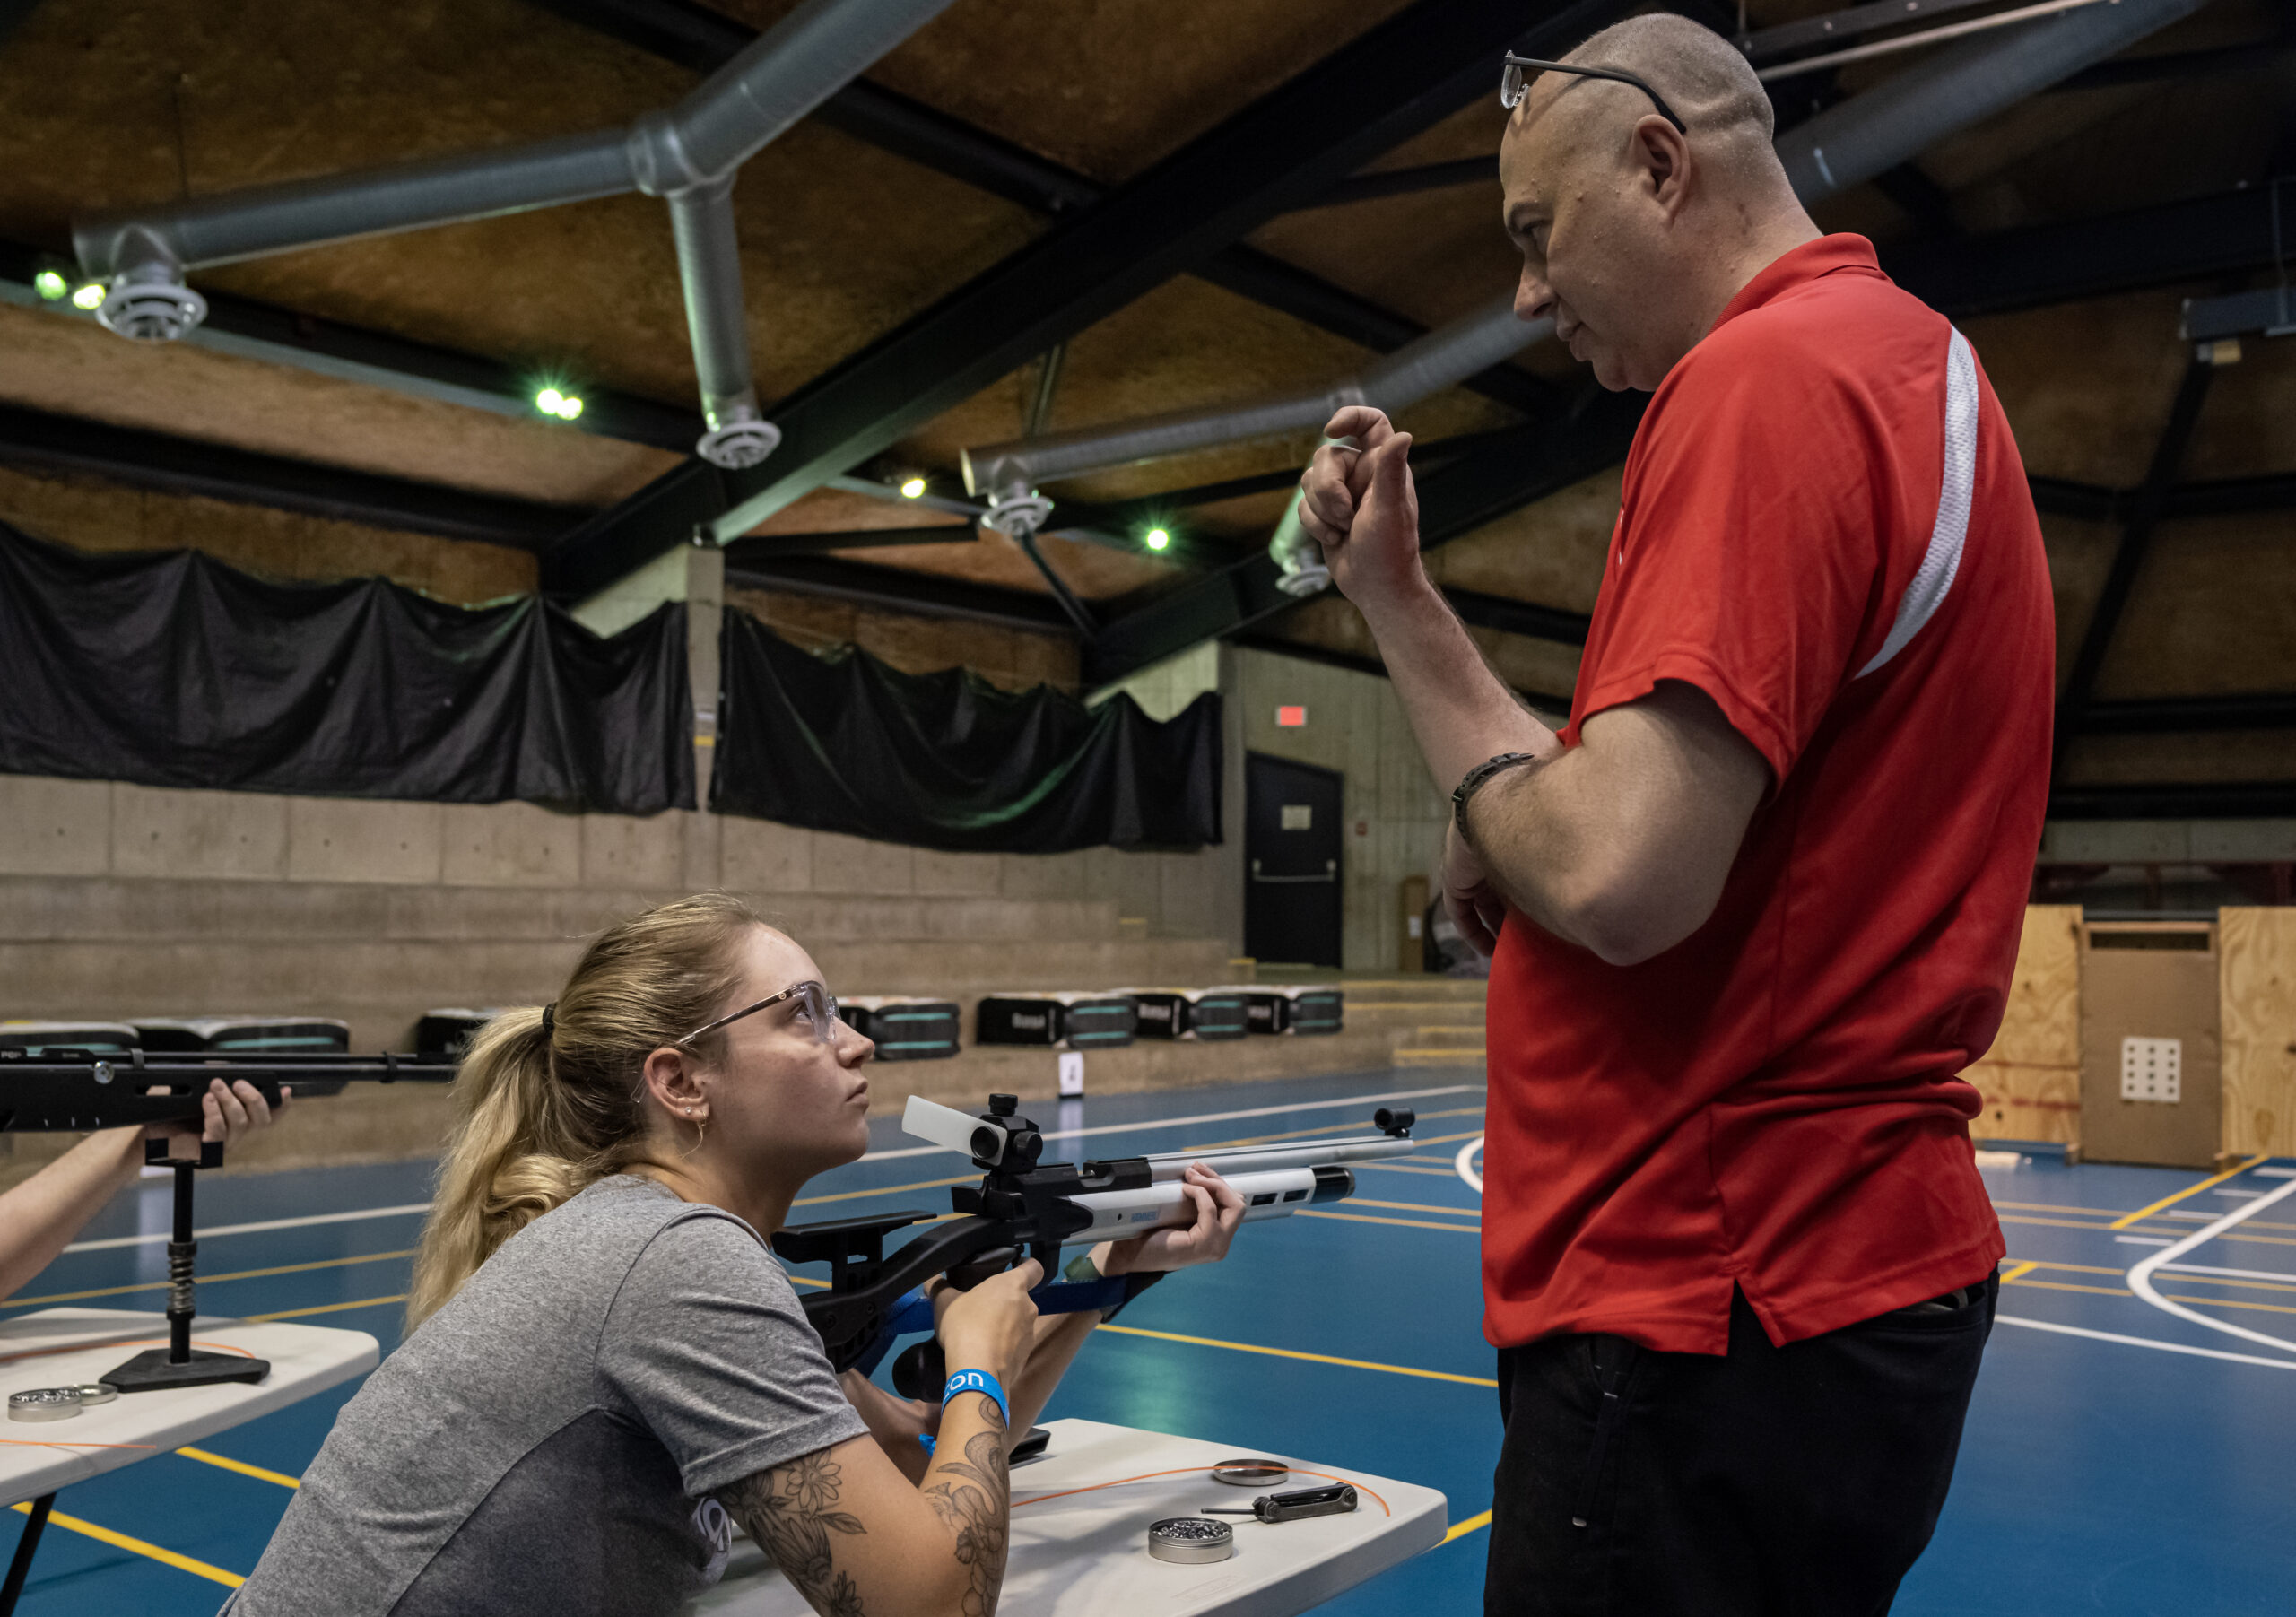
(816,1013)
(1513,85)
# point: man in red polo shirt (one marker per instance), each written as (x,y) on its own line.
(1757,906)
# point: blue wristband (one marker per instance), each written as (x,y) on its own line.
(983,1383)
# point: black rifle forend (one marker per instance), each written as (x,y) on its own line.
(58,1090)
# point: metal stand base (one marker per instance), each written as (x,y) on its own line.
(21,1566)
(152,1370)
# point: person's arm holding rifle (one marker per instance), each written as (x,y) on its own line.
(40,1217)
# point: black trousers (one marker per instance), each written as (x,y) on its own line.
(1793,1481)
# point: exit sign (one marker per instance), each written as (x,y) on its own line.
(1291,718)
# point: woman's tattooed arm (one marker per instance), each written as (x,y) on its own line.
(791,1511)
(972,1496)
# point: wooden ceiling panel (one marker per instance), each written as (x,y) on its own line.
(2086,386)
(69,366)
(1551,553)
(2248,427)
(1093,571)
(1106,87)
(2079,555)
(91,514)
(2205,756)
(1433,256)
(2213,611)
(834,511)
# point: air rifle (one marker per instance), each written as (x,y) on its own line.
(59,1090)
(1023,1207)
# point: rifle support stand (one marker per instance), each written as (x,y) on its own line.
(180,1364)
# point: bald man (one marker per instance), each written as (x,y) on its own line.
(1758,903)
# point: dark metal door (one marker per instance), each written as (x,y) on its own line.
(1292,861)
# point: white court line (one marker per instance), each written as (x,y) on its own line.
(1257,1111)
(2231,1274)
(2145,1341)
(2276,1173)
(2140,1278)
(317,1217)
(2143,1240)
(1465,1156)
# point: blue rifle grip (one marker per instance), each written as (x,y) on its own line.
(912,1315)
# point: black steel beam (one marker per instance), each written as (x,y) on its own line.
(2168,714)
(1401,76)
(2225,800)
(2091,502)
(1277,646)
(1503,473)
(900,589)
(1402,182)
(2145,507)
(1510,616)
(2234,496)
(2087,257)
(177,466)
(2261,56)
(763,547)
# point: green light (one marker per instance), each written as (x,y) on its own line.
(89,297)
(1156,538)
(50,286)
(570,407)
(914,488)
(549,400)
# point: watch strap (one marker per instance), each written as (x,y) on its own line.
(1473,781)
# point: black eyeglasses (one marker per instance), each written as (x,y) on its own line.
(1513,87)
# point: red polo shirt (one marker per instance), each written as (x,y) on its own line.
(1825,528)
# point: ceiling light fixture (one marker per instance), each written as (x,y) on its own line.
(913,488)
(50,286)
(1156,538)
(90,297)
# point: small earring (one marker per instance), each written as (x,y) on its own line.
(688,1112)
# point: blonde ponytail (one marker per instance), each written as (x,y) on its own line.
(546,1112)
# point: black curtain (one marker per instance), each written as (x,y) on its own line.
(844,743)
(175,670)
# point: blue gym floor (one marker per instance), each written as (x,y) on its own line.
(2118,1459)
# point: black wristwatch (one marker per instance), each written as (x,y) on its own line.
(1475,777)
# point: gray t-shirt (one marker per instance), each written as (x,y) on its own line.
(548,1441)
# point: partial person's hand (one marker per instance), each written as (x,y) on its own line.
(992,1326)
(1361,507)
(1219,1208)
(1470,899)
(229,1113)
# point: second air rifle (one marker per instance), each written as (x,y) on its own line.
(1024,1207)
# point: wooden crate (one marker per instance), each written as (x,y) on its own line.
(2259,1003)
(2031,1078)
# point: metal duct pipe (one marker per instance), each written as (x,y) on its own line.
(303,213)
(1905,115)
(709,268)
(1426,365)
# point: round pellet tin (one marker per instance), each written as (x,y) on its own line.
(1250,1473)
(93,1393)
(1191,1540)
(44,1404)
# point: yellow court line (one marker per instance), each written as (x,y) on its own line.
(1461,1529)
(120,1541)
(2190,1280)
(2127,1219)
(2205,1302)
(2011,1276)
(211,1279)
(326,1308)
(1373,1217)
(242,1466)
(1276,1353)
(1465,1213)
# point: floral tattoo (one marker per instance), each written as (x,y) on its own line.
(791,1511)
(971,1496)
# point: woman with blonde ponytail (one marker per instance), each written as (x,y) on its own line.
(605,1359)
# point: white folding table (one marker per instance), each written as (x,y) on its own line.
(62,1347)
(1079,1536)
